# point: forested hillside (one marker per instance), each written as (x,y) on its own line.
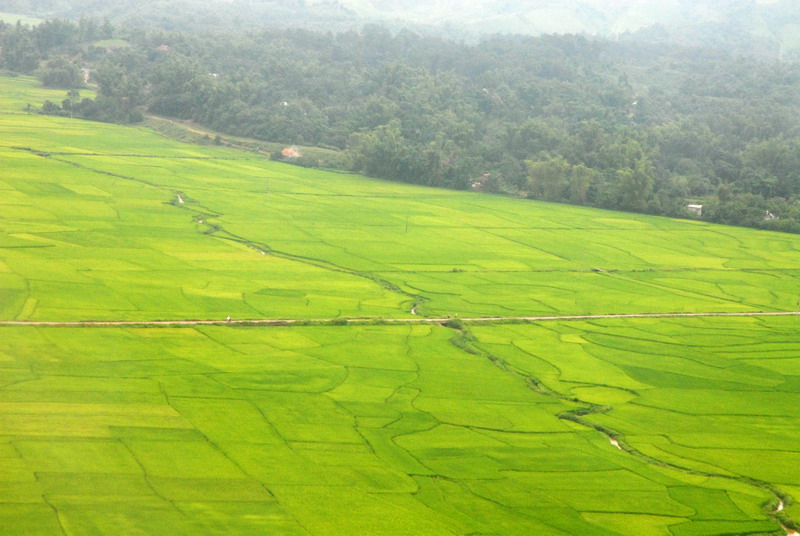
(631,126)
(766,27)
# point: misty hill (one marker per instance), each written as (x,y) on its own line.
(619,125)
(763,27)
(605,17)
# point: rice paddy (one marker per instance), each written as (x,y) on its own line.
(106,222)
(673,426)
(394,430)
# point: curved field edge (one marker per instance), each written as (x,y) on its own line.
(712,397)
(380,429)
(102,222)
(229,429)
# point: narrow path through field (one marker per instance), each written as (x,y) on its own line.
(351,321)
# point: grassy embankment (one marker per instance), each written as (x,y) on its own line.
(190,132)
(13,18)
(371,429)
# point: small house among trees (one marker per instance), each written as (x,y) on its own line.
(291,152)
(695,209)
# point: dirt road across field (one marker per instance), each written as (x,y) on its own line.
(350,321)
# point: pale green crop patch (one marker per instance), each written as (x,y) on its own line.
(679,426)
(253,429)
(78,245)
(147,228)
(13,18)
(685,392)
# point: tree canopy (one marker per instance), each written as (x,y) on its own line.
(622,125)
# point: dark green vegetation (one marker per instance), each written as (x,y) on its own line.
(372,429)
(627,126)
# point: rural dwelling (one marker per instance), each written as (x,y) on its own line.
(291,152)
(163,48)
(479,184)
(695,209)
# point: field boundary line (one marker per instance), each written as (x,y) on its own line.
(360,321)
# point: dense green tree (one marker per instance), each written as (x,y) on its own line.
(772,167)
(555,179)
(564,118)
(55,33)
(60,72)
(180,86)
(18,51)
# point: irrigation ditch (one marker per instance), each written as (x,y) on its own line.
(201,215)
(462,337)
(464,340)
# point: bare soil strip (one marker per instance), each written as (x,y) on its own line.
(349,321)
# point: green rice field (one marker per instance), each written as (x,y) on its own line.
(13,18)
(683,426)
(107,222)
(394,430)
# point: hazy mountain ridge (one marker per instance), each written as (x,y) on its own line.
(601,17)
(765,27)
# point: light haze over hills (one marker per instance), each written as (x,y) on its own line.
(555,16)
(693,21)
(771,26)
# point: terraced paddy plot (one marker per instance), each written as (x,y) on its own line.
(715,397)
(372,429)
(89,246)
(382,430)
(100,223)
(475,255)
